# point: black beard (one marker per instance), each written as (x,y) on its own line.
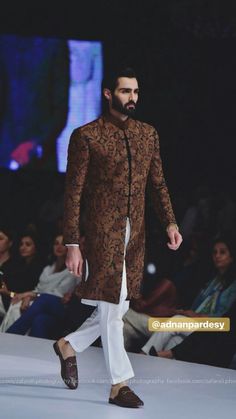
(117,106)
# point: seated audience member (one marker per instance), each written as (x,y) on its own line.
(24,276)
(195,269)
(7,267)
(161,301)
(31,263)
(214,300)
(42,317)
(210,348)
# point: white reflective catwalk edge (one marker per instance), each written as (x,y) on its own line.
(31,387)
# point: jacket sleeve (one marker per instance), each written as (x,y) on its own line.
(159,190)
(77,167)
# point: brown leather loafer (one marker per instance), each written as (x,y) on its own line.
(126,398)
(69,371)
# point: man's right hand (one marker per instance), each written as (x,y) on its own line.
(74,260)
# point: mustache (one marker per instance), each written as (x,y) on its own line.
(130,103)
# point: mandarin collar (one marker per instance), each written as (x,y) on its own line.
(117,122)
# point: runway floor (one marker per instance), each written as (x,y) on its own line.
(31,387)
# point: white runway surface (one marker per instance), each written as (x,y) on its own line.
(31,387)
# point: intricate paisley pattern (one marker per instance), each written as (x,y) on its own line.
(98,172)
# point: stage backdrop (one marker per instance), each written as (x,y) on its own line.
(48,87)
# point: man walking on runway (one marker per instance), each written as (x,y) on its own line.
(110,161)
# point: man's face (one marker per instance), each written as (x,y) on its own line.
(125,96)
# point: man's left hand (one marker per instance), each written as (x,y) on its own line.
(175,237)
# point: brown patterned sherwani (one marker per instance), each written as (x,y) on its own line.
(108,164)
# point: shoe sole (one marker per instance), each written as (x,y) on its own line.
(136,406)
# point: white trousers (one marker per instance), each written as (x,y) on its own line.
(106,321)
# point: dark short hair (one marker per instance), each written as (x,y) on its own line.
(110,80)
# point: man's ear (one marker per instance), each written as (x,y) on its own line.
(107,93)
